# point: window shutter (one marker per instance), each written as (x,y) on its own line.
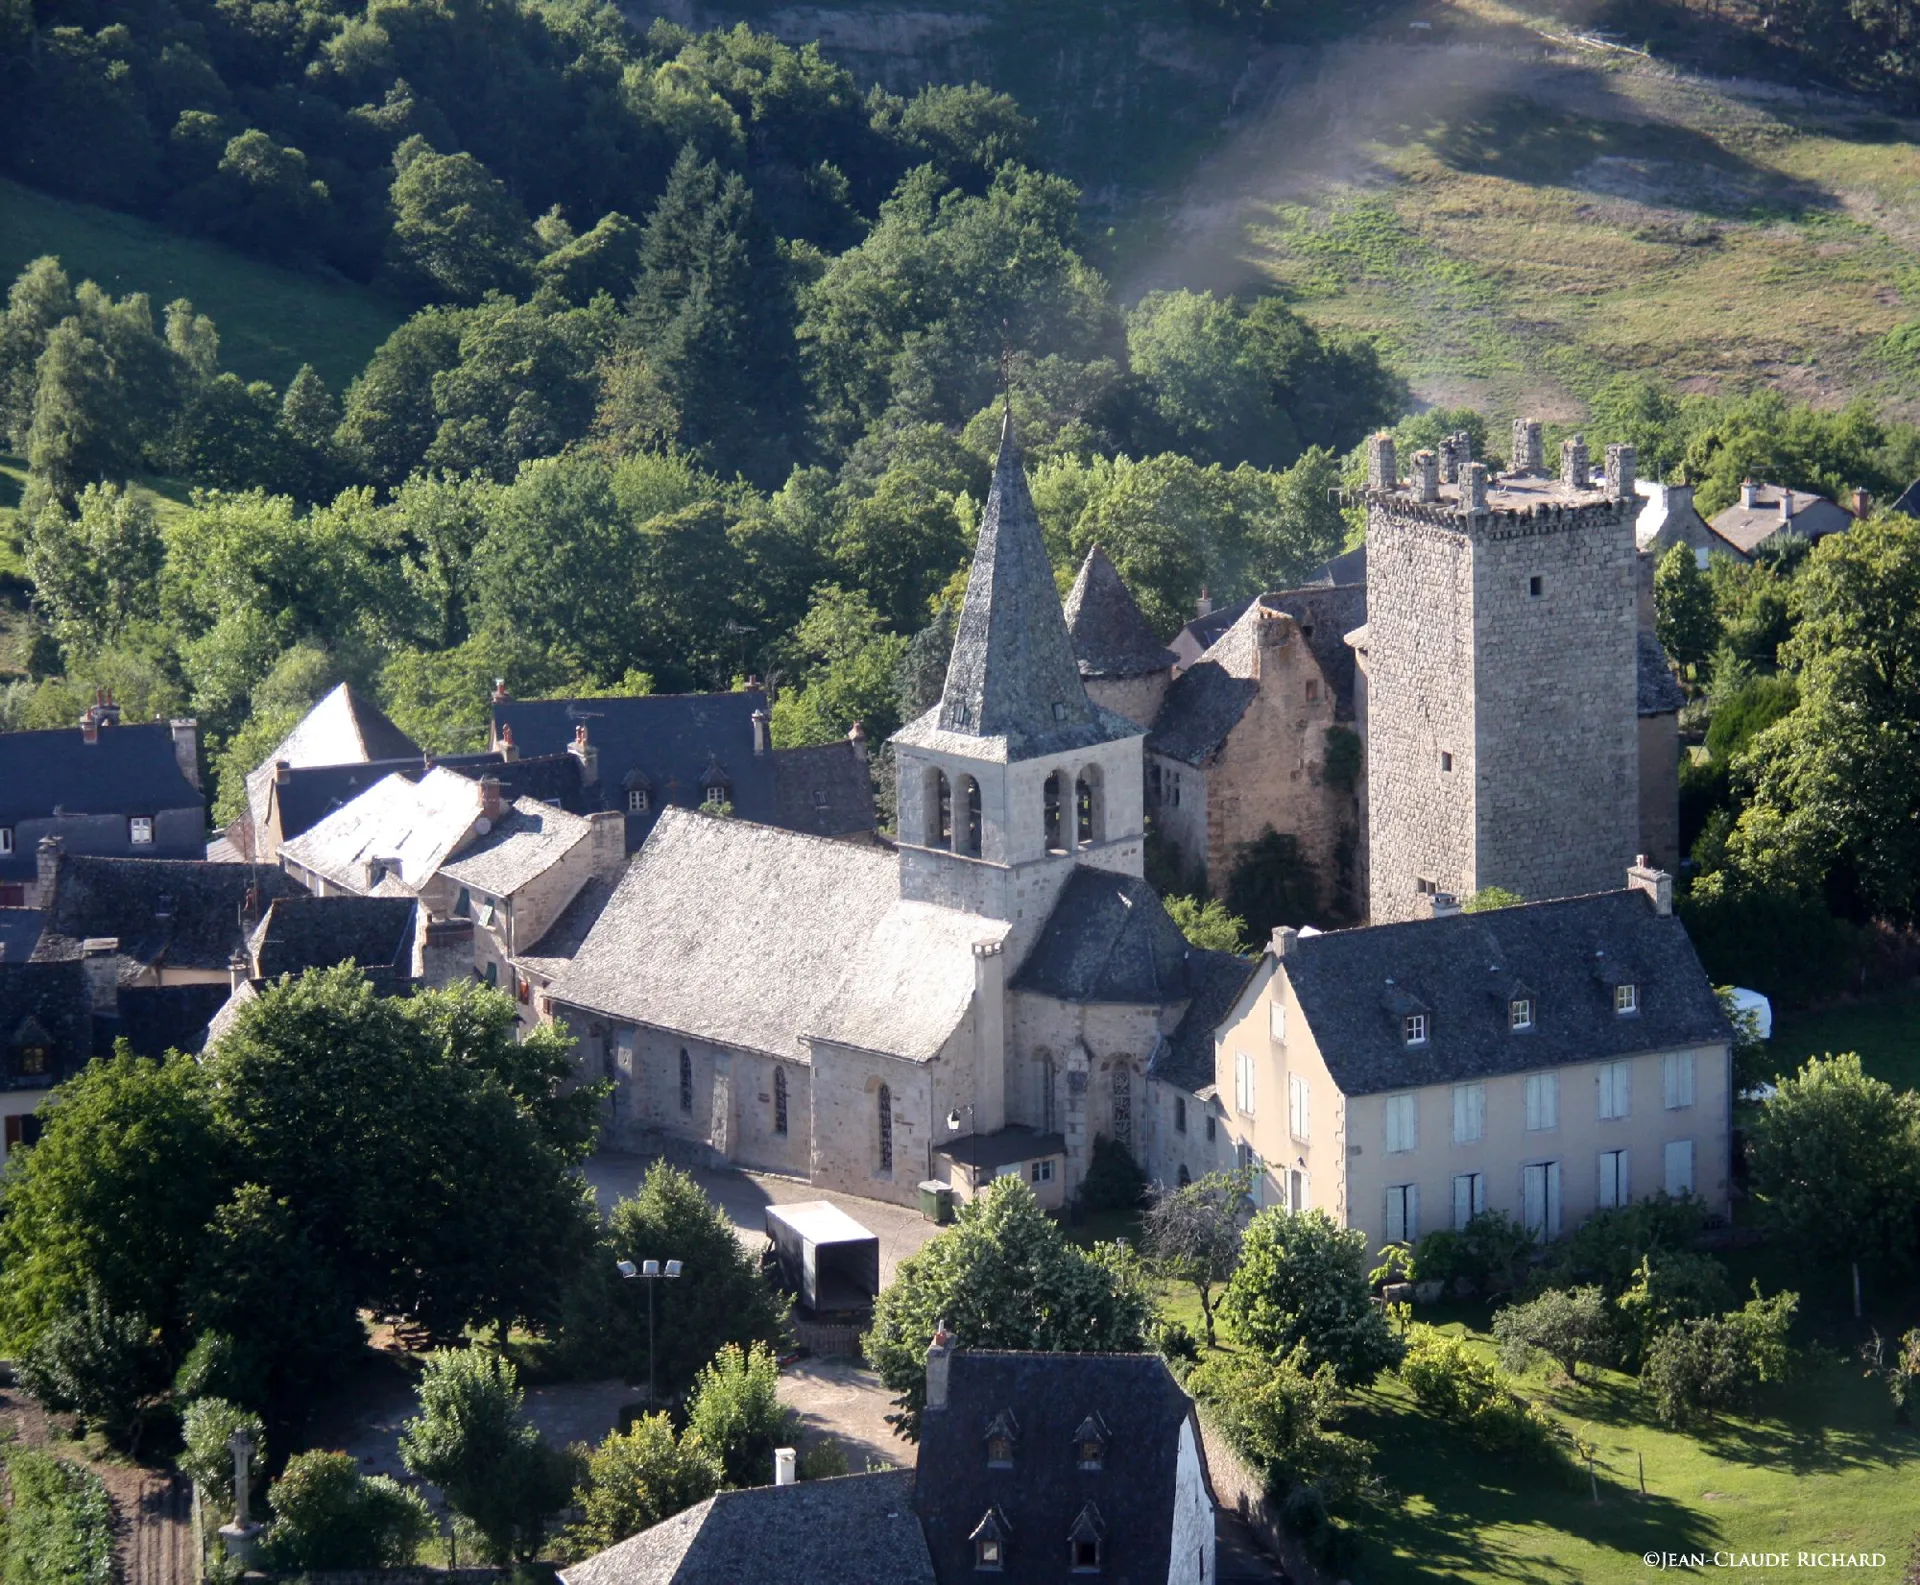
(1553,1199)
(1679,1166)
(1413,1212)
(1462,1200)
(1677,1072)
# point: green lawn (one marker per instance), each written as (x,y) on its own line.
(271,320)
(1885,1031)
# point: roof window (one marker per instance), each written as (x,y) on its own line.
(1520,1013)
(1002,1432)
(1083,1541)
(1626,999)
(1414,1029)
(989,1540)
(1090,1443)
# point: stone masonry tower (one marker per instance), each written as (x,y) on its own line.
(1502,731)
(1016,775)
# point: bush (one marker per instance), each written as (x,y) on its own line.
(1702,1367)
(636,1478)
(1278,1416)
(59,1530)
(205,1427)
(735,1413)
(1609,1246)
(1303,1280)
(327,1515)
(1114,1181)
(1490,1253)
(1571,1326)
(1453,1383)
(106,1367)
(1174,1342)
(1666,1290)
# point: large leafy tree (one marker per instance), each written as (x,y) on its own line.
(96,571)
(1004,1276)
(847,673)
(456,226)
(1192,1233)
(1302,1281)
(636,1478)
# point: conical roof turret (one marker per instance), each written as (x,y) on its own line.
(1110,636)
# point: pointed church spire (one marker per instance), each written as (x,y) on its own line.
(1013,673)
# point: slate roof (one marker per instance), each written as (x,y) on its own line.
(754,937)
(301,933)
(527,843)
(1049,1397)
(156,1019)
(344,728)
(176,913)
(1747,528)
(1012,675)
(1909,501)
(1348,567)
(549,956)
(129,770)
(1326,613)
(312,792)
(414,827)
(1185,1058)
(1355,986)
(1108,939)
(1660,691)
(1203,632)
(854,1530)
(1669,518)
(44,1004)
(1110,636)
(19,933)
(825,789)
(1015,1142)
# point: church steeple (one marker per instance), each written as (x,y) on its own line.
(1013,674)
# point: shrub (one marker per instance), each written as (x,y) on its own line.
(1570,1326)
(59,1530)
(1174,1342)
(1278,1416)
(1453,1383)
(327,1515)
(1705,1366)
(735,1413)
(1491,1252)
(1114,1181)
(1303,1280)
(825,1460)
(1397,1264)
(636,1478)
(206,1426)
(1608,1247)
(106,1367)
(1667,1289)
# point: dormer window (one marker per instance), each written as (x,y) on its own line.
(1083,1541)
(989,1540)
(1520,1013)
(140,831)
(1413,1029)
(636,800)
(6,840)
(1626,999)
(1002,1432)
(1059,710)
(30,1060)
(1090,1443)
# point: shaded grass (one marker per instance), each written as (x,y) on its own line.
(271,320)
(1886,1033)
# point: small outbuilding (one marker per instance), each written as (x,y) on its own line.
(825,1256)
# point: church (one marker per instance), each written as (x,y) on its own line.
(988,997)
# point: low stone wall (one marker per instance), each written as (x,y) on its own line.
(1240,1489)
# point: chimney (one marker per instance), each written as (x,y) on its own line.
(783,1466)
(101,957)
(1529,451)
(587,755)
(186,748)
(1575,473)
(858,738)
(607,842)
(47,876)
(282,772)
(1437,905)
(1786,506)
(90,723)
(939,1363)
(238,970)
(446,952)
(1383,468)
(1203,606)
(500,694)
(492,805)
(1285,939)
(1622,466)
(1862,503)
(759,733)
(1749,494)
(1473,487)
(1657,884)
(505,747)
(1426,476)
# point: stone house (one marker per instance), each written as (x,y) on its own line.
(101,788)
(46,1037)
(1544,1061)
(344,728)
(1669,518)
(393,838)
(1765,510)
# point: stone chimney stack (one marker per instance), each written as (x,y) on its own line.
(1473,487)
(1383,467)
(1786,506)
(282,773)
(186,748)
(587,755)
(493,804)
(784,1459)
(1575,472)
(1439,905)
(857,738)
(505,747)
(1656,883)
(939,1365)
(759,733)
(1622,469)
(1426,476)
(1749,494)
(1285,939)
(101,957)
(607,841)
(1862,503)
(1529,451)
(90,719)
(47,873)
(1203,606)
(239,970)
(500,694)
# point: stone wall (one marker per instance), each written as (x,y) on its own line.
(1136,698)
(846,1154)
(1092,1058)
(1241,1490)
(1660,790)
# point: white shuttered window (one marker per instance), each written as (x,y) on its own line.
(1297,1119)
(1613,1179)
(1543,1101)
(1676,1073)
(1243,1083)
(1403,1123)
(1469,1197)
(1679,1165)
(1615,1088)
(1469,1113)
(1540,1198)
(1403,1213)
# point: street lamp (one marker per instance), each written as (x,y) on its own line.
(651,1271)
(973,1153)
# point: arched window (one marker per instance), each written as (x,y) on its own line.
(779,1100)
(1089,817)
(939,810)
(970,836)
(686,1081)
(885,1107)
(1050,802)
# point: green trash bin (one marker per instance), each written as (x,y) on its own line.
(936,1201)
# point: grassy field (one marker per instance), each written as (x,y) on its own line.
(1886,1033)
(271,320)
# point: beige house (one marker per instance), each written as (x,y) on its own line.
(1545,1061)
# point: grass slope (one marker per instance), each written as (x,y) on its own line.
(271,320)
(1885,1032)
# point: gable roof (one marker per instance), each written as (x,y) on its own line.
(1012,675)
(1325,614)
(156,1019)
(1660,691)
(1747,528)
(344,728)
(1350,566)
(1110,636)
(50,1004)
(178,913)
(527,843)
(300,933)
(1355,985)
(1185,1058)
(1203,632)
(1134,1400)
(1108,939)
(412,827)
(127,770)
(312,792)
(853,1530)
(825,789)
(19,933)
(1908,502)
(754,937)
(550,955)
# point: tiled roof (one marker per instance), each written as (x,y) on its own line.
(1110,636)
(908,985)
(19,932)
(748,936)
(411,827)
(1204,704)
(527,843)
(1355,986)
(301,933)
(855,1530)
(1012,675)
(1660,691)
(129,770)
(156,1019)
(1348,567)
(826,790)
(1747,528)
(177,913)
(1185,1059)
(1108,939)
(1047,1398)
(550,955)
(44,1004)
(345,728)
(312,792)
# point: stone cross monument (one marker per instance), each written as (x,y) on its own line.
(242,1537)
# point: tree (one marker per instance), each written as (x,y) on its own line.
(1489,898)
(97,571)
(735,1413)
(1003,1276)
(456,227)
(847,674)
(1570,1326)
(106,1367)
(1835,1164)
(327,1515)
(470,1440)
(636,1478)
(1191,1234)
(1278,1414)
(1698,1368)
(1684,618)
(1302,1279)
(1667,1288)
(1272,883)
(40,298)
(1207,924)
